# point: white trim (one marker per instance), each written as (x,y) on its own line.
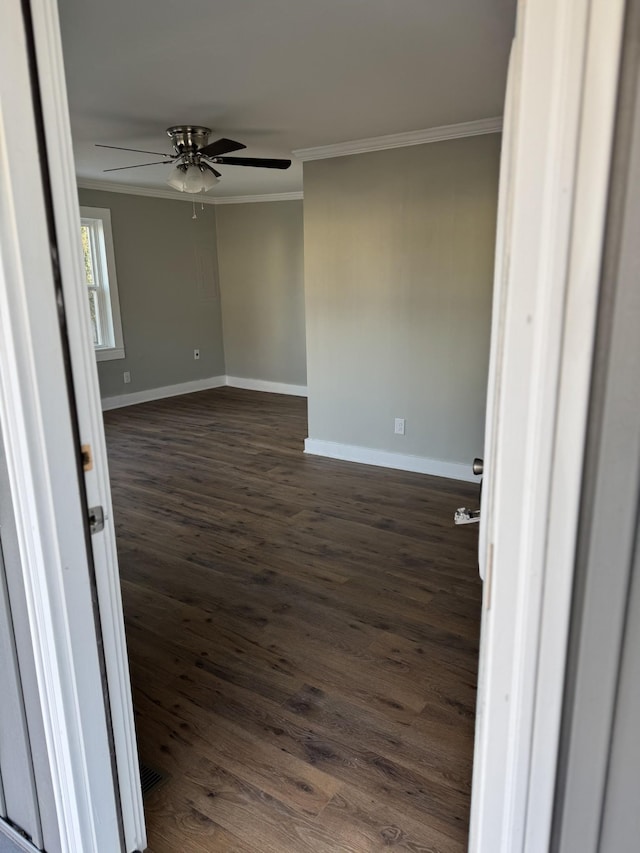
(252,199)
(109,292)
(152,192)
(265,385)
(402,140)
(90,424)
(15,838)
(109,354)
(564,98)
(601,82)
(42,458)
(121,400)
(387,459)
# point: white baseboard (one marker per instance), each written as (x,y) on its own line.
(264,385)
(121,400)
(313,446)
(387,459)
(150,394)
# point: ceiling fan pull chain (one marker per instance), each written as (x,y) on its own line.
(194,210)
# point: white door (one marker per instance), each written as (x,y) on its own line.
(49,408)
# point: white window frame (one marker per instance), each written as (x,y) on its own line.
(106,283)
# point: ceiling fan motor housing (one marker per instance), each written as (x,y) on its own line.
(188,138)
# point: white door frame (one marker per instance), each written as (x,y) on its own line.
(42,462)
(560,158)
(96,806)
(564,89)
(89,409)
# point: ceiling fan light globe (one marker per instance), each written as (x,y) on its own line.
(209,180)
(193,180)
(176,179)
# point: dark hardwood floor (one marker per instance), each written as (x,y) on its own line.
(303,634)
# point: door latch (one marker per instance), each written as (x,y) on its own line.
(96,519)
(470,516)
(466,516)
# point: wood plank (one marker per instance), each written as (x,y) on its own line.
(301,786)
(379,826)
(303,634)
(185,829)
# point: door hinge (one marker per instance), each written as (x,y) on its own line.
(96,519)
(87,457)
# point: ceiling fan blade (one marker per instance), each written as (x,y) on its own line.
(139,150)
(221,146)
(262,162)
(139,165)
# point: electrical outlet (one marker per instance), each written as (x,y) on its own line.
(196,354)
(399,426)
(127,377)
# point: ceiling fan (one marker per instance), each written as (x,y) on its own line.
(193,158)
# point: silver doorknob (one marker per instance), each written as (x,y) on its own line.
(478,466)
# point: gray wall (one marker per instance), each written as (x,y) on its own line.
(260,255)
(399,250)
(167,280)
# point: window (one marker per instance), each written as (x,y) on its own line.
(102,288)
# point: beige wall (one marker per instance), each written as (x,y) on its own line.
(260,255)
(166,265)
(398,275)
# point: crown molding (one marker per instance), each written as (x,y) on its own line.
(251,199)
(402,140)
(152,192)
(322,152)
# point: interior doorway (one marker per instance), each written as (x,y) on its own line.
(528,774)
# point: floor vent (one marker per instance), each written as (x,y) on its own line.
(149,778)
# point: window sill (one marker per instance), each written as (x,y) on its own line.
(110,354)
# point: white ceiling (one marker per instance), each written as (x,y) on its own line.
(277,75)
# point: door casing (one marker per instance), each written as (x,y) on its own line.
(565,75)
(43,461)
